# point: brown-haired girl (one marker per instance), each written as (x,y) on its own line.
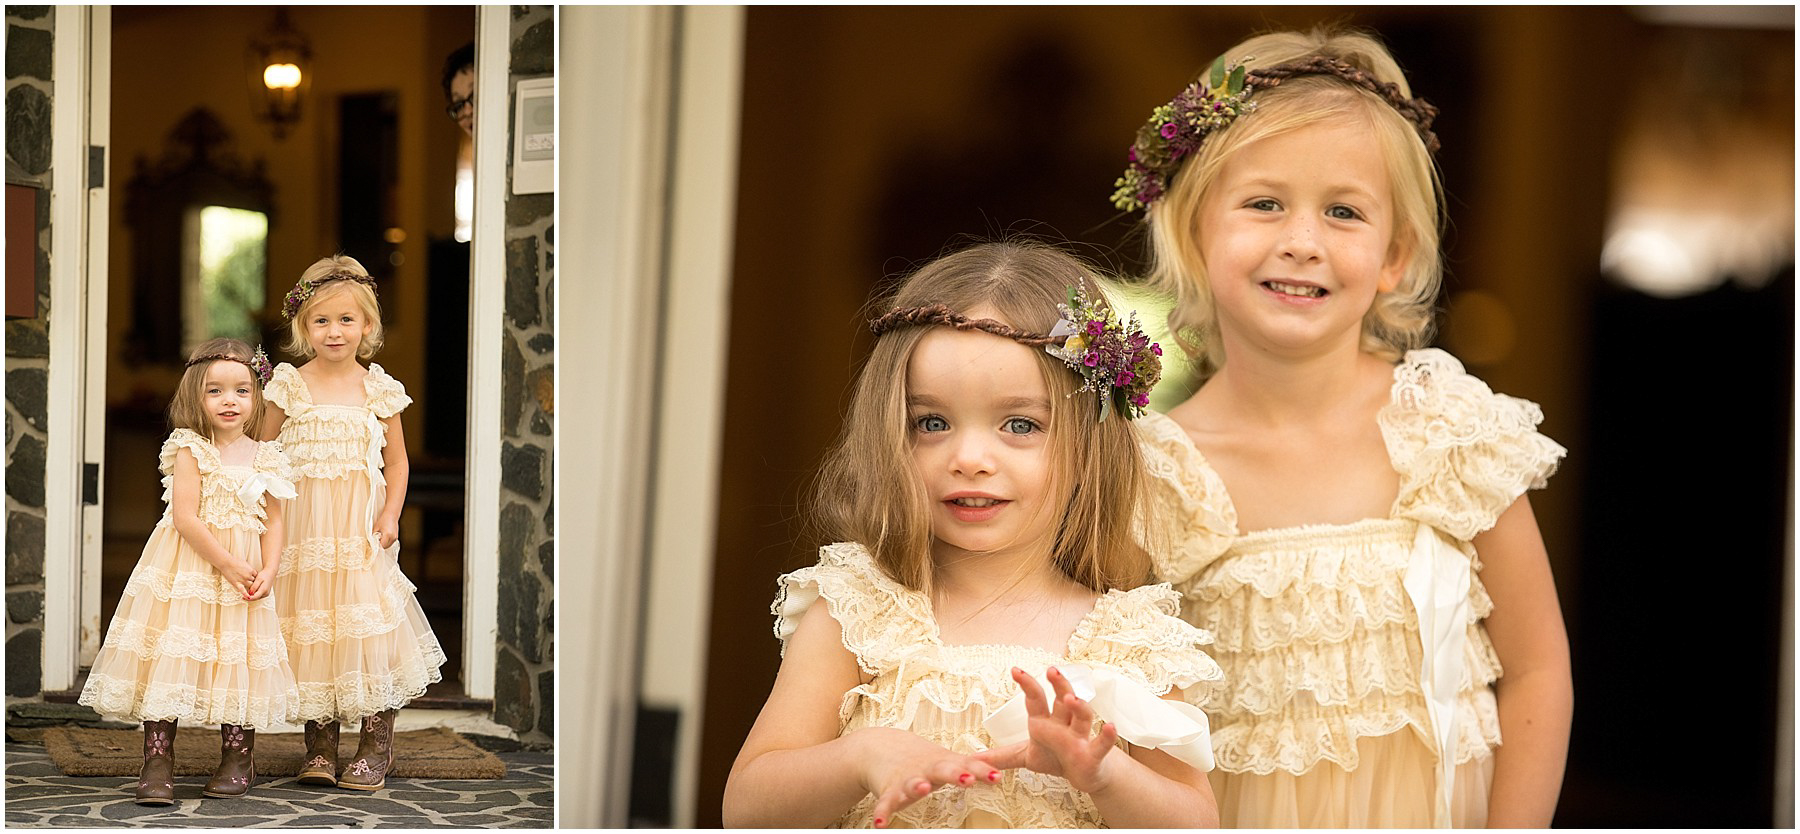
(195,637)
(359,642)
(981,497)
(1347,509)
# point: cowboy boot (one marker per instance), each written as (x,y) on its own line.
(374,754)
(321,754)
(237,763)
(156,782)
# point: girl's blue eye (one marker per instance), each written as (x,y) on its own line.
(932,423)
(1265,204)
(1021,425)
(1343,213)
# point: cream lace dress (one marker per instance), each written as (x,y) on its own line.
(1354,653)
(947,693)
(357,638)
(183,644)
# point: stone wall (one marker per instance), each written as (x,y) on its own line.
(525,681)
(29,33)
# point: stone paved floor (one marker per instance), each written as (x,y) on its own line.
(39,796)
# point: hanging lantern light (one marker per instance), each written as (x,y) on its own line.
(279,65)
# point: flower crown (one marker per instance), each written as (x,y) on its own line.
(258,362)
(1177,129)
(305,289)
(1119,364)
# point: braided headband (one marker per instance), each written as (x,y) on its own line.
(1119,364)
(259,363)
(1178,128)
(305,289)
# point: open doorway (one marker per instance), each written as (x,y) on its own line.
(215,208)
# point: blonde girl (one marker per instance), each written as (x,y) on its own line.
(195,637)
(982,510)
(1347,508)
(359,642)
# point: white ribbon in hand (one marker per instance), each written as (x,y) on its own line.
(1177,728)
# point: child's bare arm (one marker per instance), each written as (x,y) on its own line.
(272,420)
(274,537)
(184,501)
(1535,692)
(396,471)
(795,770)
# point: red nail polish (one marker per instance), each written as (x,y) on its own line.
(880,823)
(965,778)
(993,776)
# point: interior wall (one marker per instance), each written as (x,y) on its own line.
(873,137)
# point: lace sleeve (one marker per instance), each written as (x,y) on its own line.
(1186,520)
(274,460)
(1139,633)
(204,453)
(878,615)
(285,388)
(386,396)
(1464,453)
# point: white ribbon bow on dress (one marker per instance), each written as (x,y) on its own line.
(1142,718)
(253,487)
(1437,580)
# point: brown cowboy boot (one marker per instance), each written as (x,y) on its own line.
(374,754)
(156,782)
(237,763)
(321,763)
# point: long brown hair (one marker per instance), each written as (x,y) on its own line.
(187,409)
(868,490)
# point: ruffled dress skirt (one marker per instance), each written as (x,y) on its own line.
(1384,791)
(357,638)
(184,645)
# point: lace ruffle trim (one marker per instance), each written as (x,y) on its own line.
(147,643)
(350,554)
(210,587)
(881,619)
(1307,734)
(355,694)
(135,702)
(383,394)
(1465,453)
(1189,520)
(354,621)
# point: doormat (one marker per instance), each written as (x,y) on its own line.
(435,753)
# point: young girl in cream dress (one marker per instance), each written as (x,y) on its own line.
(978,649)
(359,643)
(1345,511)
(195,637)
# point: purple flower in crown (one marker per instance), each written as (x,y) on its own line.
(260,365)
(1118,363)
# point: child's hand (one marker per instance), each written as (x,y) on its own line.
(261,585)
(239,573)
(387,530)
(902,768)
(1062,740)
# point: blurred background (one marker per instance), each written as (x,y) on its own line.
(1619,249)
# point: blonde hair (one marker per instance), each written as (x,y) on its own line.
(363,294)
(868,490)
(187,409)
(1400,319)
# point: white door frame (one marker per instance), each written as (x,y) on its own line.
(487,305)
(66,524)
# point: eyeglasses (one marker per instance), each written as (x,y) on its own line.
(456,105)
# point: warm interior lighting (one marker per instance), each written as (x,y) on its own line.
(281,76)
